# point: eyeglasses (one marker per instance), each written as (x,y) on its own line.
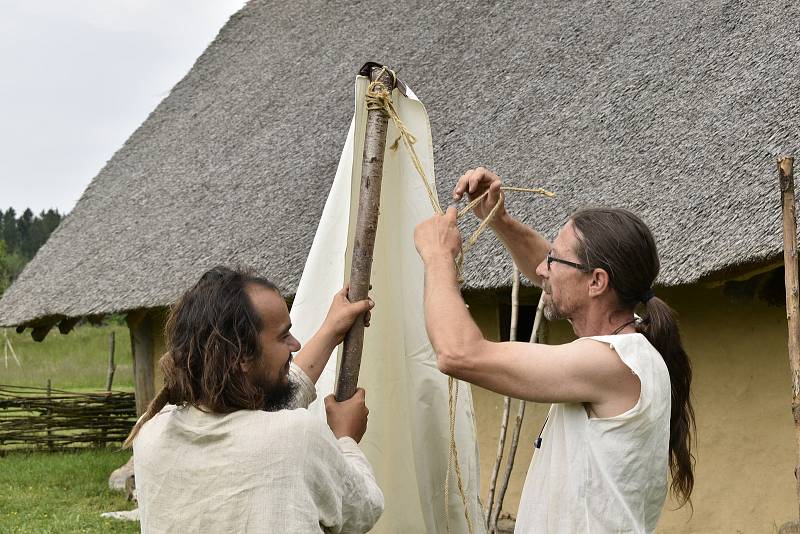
(550,259)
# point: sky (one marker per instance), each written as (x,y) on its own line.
(77,77)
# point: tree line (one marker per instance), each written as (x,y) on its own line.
(20,238)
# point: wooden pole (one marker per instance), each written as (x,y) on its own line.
(111,365)
(142,345)
(501,440)
(537,336)
(786,178)
(49,415)
(364,244)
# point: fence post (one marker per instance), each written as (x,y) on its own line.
(49,416)
(111,365)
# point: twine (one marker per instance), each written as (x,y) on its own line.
(379,98)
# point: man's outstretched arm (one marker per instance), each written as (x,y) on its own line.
(582,371)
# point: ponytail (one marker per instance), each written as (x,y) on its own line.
(619,242)
(155,406)
(661,330)
(158,402)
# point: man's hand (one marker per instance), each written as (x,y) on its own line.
(348,418)
(438,236)
(343,313)
(475,182)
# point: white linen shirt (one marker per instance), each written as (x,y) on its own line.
(604,475)
(252,471)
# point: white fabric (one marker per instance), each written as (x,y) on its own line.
(603,475)
(252,471)
(407,438)
(124,515)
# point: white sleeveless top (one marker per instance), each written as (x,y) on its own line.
(603,475)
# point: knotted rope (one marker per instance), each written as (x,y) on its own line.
(379,97)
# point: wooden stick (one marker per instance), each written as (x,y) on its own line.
(786,179)
(140,324)
(49,411)
(501,440)
(10,347)
(537,336)
(364,244)
(111,365)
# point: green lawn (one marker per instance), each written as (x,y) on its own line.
(61,493)
(76,361)
(64,492)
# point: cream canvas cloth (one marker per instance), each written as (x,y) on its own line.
(408,437)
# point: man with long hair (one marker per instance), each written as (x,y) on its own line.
(621,416)
(227,445)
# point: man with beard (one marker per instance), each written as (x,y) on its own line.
(227,445)
(621,416)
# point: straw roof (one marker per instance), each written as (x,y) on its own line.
(675,110)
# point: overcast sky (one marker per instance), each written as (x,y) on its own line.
(77,77)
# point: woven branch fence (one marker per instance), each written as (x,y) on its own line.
(51,419)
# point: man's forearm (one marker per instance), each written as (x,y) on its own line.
(527,247)
(314,355)
(451,330)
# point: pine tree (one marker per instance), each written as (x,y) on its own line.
(21,238)
(5,278)
(50,220)
(25,244)
(41,228)
(10,235)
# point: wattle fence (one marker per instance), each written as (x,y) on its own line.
(51,419)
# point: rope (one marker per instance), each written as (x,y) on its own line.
(379,98)
(452,457)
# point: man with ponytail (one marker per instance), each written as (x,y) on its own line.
(621,420)
(227,445)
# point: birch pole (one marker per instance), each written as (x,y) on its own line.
(501,440)
(786,178)
(537,336)
(364,244)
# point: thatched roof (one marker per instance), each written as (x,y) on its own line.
(675,110)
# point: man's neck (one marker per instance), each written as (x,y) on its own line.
(602,322)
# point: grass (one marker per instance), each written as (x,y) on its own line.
(75,361)
(61,492)
(64,492)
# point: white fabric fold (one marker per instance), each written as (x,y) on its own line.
(408,437)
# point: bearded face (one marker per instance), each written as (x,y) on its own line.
(278,396)
(269,370)
(553,311)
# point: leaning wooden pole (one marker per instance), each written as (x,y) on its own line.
(501,440)
(537,336)
(366,227)
(786,177)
